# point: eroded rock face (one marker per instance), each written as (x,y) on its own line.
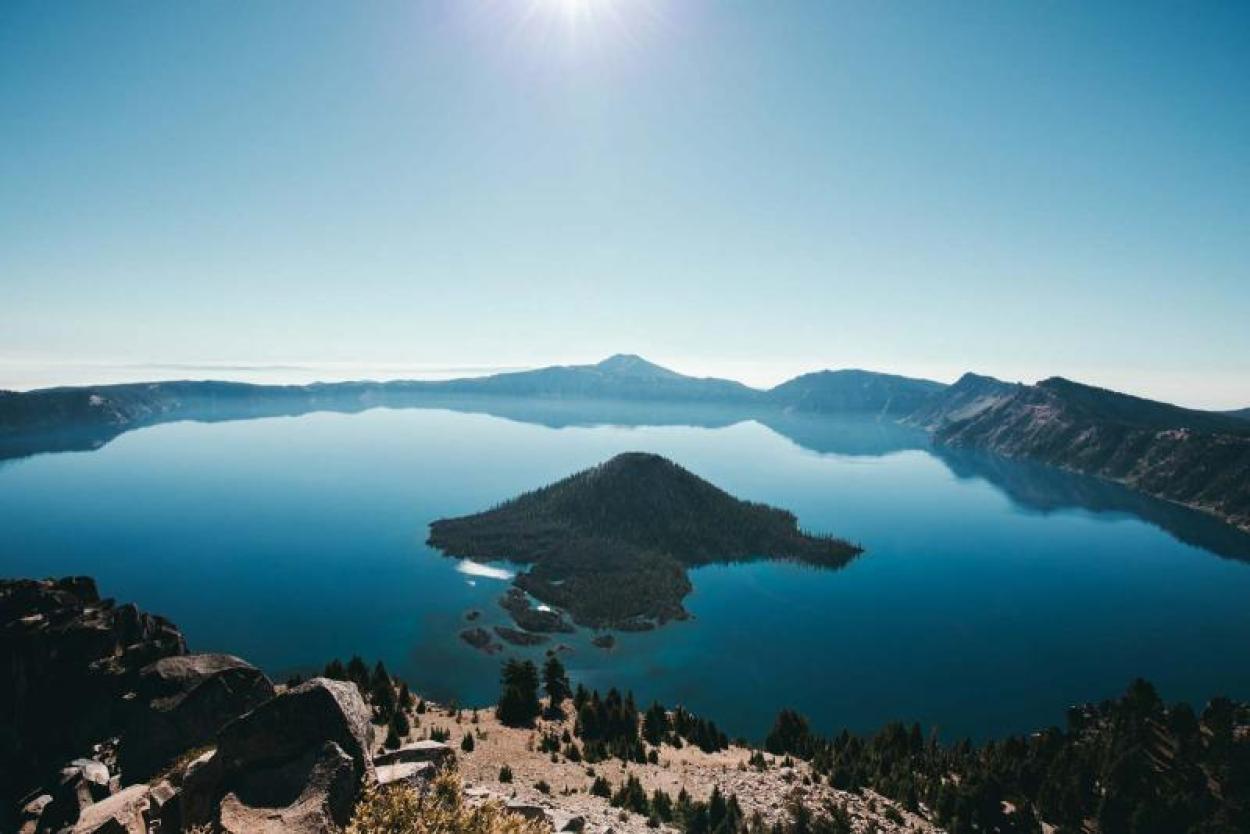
(181,704)
(67,660)
(297,763)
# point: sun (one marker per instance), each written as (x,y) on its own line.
(577,12)
(585,19)
(578,29)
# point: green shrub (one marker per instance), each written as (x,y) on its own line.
(401,809)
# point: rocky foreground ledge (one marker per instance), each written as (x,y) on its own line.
(109,726)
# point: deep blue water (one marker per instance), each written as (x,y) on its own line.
(990,596)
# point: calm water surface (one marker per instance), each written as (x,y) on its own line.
(991,594)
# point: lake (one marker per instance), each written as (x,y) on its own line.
(991,594)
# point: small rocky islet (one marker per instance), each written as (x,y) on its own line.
(611,545)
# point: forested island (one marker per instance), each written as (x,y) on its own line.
(611,545)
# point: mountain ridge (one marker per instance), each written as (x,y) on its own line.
(1191,457)
(1196,458)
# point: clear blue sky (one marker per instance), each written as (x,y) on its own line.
(745,188)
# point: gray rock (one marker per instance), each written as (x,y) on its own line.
(296,763)
(94,774)
(299,720)
(418,751)
(311,795)
(32,812)
(416,774)
(164,812)
(199,789)
(121,813)
(79,785)
(183,702)
(537,813)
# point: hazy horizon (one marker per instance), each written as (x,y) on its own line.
(32,376)
(743,191)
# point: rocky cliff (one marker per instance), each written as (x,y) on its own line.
(1196,458)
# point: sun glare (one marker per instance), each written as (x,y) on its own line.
(588,22)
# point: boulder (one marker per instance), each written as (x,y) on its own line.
(434,752)
(94,775)
(314,794)
(529,811)
(164,812)
(121,813)
(200,782)
(32,813)
(416,774)
(296,763)
(296,721)
(183,701)
(79,785)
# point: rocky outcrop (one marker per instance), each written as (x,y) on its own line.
(182,702)
(67,661)
(295,764)
(81,671)
(425,751)
(414,764)
(79,785)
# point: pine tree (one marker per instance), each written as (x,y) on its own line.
(556,682)
(518,699)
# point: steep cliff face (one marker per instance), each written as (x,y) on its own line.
(1196,458)
(968,397)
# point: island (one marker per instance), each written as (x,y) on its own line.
(611,545)
(480,639)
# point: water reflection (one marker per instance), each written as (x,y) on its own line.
(1031,487)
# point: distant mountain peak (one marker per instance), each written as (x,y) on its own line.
(973,378)
(631,364)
